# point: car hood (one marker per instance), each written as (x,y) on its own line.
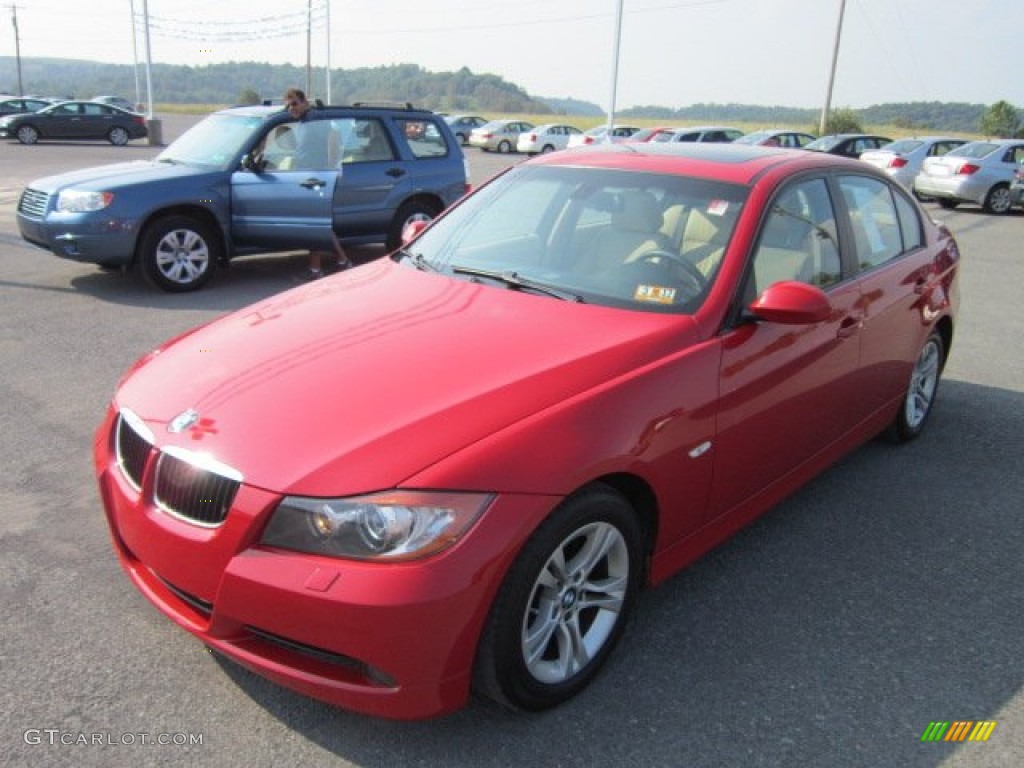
(358,382)
(111,177)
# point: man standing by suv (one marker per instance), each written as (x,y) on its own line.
(311,152)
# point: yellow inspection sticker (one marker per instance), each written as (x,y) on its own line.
(655,294)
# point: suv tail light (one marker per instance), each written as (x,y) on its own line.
(588,139)
(967,169)
(897,162)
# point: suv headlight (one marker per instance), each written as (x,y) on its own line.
(83,201)
(393,525)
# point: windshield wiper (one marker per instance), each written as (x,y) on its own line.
(517,282)
(418,260)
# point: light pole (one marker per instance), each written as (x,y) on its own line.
(832,72)
(615,71)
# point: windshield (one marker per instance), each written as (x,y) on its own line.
(644,241)
(824,144)
(902,147)
(975,150)
(753,138)
(213,142)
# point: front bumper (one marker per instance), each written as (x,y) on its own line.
(99,237)
(391,640)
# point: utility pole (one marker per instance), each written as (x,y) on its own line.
(135,56)
(309,49)
(832,73)
(17,47)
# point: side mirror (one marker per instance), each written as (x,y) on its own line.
(254,163)
(791,303)
(413,229)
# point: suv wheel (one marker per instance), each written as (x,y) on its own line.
(178,253)
(414,210)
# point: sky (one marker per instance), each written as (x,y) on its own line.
(672,53)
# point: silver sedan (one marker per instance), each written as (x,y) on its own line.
(902,159)
(978,172)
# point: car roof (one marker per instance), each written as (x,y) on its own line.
(260,110)
(738,164)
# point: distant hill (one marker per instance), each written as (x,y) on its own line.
(240,81)
(460,91)
(917,116)
(573,107)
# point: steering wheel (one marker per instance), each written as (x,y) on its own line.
(659,255)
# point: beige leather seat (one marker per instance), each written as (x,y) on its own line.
(705,237)
(634,231)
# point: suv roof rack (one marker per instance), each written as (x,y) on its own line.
(385,104)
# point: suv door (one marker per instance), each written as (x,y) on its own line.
(374,176)
(285,201)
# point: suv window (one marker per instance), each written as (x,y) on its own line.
(422,137)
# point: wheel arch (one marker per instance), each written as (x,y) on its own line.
(205,215)
(945,329)
(638,492)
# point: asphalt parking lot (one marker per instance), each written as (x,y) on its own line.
(883,596)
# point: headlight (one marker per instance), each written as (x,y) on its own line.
(394,525)
(83,201)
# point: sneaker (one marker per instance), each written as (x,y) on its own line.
(308,276)
(341,266)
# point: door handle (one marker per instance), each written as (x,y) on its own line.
(849,325)
(313,183)
(395,172)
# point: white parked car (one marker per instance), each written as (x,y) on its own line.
(978,172)
(597,135)
(719,134)
(902,159)
(546,138)
(498,135)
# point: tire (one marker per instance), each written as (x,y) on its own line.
(118,136)
(178,253)
(921,391)
(998,199)
(949,205)
(414,210)
(564,603)
(504,147)
(547,148)
(27,134)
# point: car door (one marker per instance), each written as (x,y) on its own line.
(287,203)
(96,121)
(375,176)
(61,122)
(893,269)
(787,391)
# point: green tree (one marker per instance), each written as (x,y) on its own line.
(1000,120)
(843,120)
(249,96)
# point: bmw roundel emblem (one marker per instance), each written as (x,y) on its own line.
(183,421)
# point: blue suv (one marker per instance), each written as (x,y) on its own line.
(234,184)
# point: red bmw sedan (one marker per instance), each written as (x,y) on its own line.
(453,469)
